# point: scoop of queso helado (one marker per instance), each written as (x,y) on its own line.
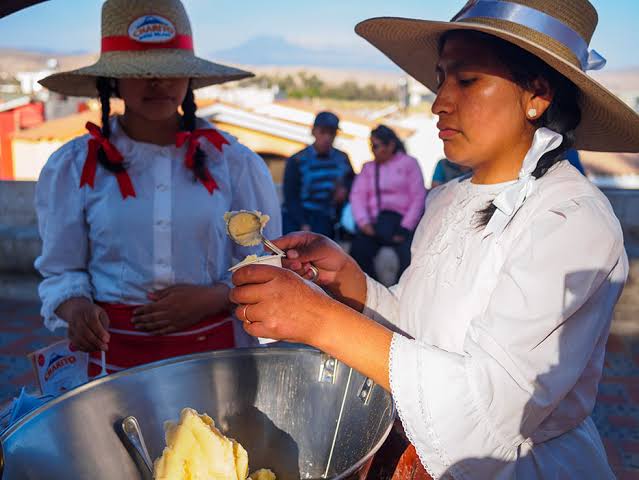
(197,450)
(245,228)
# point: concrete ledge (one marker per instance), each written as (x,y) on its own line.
(20,243)
(17,203)
(625,203)
(19,287)
(19,247)
(19,239)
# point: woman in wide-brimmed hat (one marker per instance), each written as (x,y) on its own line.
(502,318)
(135,254)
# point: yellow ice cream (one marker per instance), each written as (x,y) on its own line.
(196,450)
(245,227)
(263,474)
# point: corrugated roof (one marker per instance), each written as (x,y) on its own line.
(346,116)
(64,128)
(72,126)
(8,102)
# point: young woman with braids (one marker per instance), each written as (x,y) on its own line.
(135,253)
(499,325)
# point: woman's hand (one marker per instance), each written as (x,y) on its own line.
(340,195)
(337,271)
(303,249)
(179,307)
(368,230)
(401,235)
(88,324)
(277,303)
(399,239)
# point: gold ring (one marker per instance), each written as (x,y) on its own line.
(246,319)
(315,273)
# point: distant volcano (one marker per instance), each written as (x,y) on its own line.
(277,51)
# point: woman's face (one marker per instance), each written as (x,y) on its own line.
(154,99)
(481,110)
(381,151)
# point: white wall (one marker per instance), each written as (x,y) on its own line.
(30,157)
(424,144)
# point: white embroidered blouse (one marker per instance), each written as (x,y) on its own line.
(103,247)
(504,337)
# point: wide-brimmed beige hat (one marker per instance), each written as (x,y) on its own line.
(144,39)
(557,31)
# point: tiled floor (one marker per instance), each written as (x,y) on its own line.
(21,332)
(616,413)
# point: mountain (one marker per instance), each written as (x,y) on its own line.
(277,51)
(14,60)
(274,55)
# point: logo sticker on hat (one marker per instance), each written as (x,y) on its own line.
(152,29)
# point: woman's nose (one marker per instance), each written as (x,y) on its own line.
(443,103)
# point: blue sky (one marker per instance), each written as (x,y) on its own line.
(63,25)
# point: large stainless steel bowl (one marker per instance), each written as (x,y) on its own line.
(295,411)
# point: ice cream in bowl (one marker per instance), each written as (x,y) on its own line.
(197,450)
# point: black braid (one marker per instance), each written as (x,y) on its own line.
(189,124)
(106,89)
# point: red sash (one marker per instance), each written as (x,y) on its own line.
(129,347)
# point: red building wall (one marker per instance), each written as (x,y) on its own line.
(11,121)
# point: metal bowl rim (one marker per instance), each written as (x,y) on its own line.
(231,352)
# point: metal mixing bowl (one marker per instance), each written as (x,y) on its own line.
(295,410)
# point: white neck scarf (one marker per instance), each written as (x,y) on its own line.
(509,201)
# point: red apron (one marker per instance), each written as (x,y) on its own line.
(410,467)
(129,347)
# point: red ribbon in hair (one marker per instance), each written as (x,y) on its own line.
(96,141)
(193,139)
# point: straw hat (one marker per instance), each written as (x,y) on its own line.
(557,31)
(143,39)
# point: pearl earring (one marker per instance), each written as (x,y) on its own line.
(532,113)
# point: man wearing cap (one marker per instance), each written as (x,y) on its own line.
(317,181)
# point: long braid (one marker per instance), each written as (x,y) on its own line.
(189,124)
(105,91)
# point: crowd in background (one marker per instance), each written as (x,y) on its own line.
(380,207)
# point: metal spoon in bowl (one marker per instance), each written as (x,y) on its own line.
(131,429)
(103,372)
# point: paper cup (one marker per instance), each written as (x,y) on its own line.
(274,260)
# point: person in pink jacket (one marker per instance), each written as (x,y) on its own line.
(387,200)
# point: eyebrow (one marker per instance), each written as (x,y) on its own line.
(455,65)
